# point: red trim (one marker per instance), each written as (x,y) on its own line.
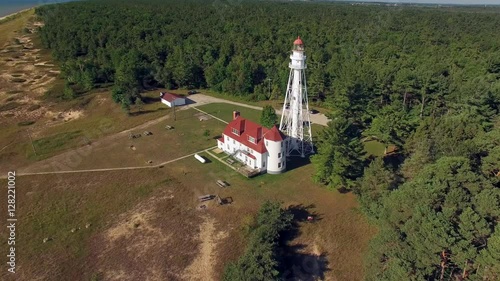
(274,134)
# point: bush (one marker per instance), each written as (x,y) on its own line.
(9,106)
(25,123)
(34,107)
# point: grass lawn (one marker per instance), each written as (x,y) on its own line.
(224,111)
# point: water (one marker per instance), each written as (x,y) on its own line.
(8,7)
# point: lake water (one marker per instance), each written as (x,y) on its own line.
(8,7)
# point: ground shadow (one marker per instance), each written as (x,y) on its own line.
(294,162)
(189,101)
(297,264)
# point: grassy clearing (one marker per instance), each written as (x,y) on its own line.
(57,142)
(9,26)
(374,148)
(188,136)
(52,206)
(224,111)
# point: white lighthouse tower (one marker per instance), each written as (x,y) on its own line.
(295,120)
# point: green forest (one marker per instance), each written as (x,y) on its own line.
(425,80)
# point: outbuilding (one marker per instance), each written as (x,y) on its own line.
(172,99)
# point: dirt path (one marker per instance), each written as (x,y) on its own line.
(202,268)
(112,169)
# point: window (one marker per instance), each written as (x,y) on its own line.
(281,144)
(235,131)
(264,164)
(251,139)
(227,138)
(279,165)
(233,141)
(279,155)
(267,143)
(227,145)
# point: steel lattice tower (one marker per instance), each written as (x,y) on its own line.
(295,119)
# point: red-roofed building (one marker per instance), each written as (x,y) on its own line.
(172,99)
(254,145)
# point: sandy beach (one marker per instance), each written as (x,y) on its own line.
(13,14)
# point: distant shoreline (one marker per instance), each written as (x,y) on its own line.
(15,13)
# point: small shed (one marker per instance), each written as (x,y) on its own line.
(172,99)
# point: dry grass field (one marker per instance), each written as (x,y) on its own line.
(145,223)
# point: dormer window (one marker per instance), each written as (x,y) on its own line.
(251,139)
(235,131)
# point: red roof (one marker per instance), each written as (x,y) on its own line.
(248,129)
(298,41)
(170,97)
(245,130)
(274,134)
(221,139)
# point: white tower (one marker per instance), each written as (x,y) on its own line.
(276,151)
(295,120)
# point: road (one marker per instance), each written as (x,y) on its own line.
(201,99)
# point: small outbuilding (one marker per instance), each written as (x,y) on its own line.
(172,99)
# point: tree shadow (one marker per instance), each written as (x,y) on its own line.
(150,100)
(303,266)
(138,113)
(297,264)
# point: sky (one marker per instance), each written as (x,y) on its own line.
(475,2)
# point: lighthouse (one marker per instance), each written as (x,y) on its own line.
(295,119)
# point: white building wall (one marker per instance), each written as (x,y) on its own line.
(230,146)
(179,101)
(276,159)
(166,102)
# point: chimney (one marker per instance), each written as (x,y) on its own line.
(236,114)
